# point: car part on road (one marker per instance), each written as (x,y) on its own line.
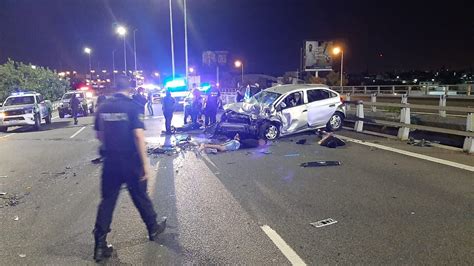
(292,155)
(331,141)
(320,163)
(421,143)
(323,223)
(301,141)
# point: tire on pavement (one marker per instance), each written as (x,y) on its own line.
(335,122)
(37,122)
(49,118)
(61,114)
(269,131)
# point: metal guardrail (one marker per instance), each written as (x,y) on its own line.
(405,125)
(411,90)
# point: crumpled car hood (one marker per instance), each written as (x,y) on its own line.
(246,108)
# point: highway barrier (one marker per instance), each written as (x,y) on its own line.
(405,124)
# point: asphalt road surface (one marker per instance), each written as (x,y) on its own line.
(393,203)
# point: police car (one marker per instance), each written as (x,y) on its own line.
(86,107)
(25,108)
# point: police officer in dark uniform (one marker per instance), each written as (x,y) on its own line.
(120,128)
(212,102)
(74,103)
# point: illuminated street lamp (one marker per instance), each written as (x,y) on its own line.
(336,51)
(122,32)
(156,74)
(238,64)
(191,70)
(88,51)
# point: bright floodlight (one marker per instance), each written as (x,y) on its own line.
(238,63)
(336,50)
(191,70)
(121,30)
(156,74)
(87,50)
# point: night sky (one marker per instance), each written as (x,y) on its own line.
(266,34)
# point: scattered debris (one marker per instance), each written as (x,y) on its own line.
(68,167)
(324,222)
(16,218)
(320,163)
(3,193)
(301,141)
(74,174)
(231,163)
(3,176)
(22,255)
(97,160)
(292,155)
(331,141)
(412,213)
(266,152)
(421,143)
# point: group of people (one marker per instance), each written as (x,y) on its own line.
(195,107)
(144,101)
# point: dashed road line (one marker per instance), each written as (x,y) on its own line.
(411,154)
(8,135)
(280,243)
(77,132)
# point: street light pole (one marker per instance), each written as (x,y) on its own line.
(113,65)
(242,74)
(342,64)
(125,55)
(172,41)
(90,63)
(186,41)
(135,49)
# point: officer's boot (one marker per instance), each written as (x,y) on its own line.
(101,249)
(156,229)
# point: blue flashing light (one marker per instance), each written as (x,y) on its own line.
(205,87)
(175,83)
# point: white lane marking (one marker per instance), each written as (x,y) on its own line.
(77,132)
(8,135)
(289,253)
(411,154)
(205,157)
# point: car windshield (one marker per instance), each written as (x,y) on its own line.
(20,100)
(69,96)
(265,97)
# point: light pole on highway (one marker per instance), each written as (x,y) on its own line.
(88,51)
(122,31)
(135,49)
(186,41)
(238,64)
(113,65)
(336,51)
(172,40)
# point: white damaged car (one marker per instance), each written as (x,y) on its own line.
(284,110)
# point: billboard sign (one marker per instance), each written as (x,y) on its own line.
(212,58)
(317,56)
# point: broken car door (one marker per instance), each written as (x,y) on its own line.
(293,112)
(321,106)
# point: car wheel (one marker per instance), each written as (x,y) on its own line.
(61,113)
(38,122)
(48,118)
(269,131)
(3,129)
(335,122)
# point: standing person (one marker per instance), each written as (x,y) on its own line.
(75,105)
(168,109)
(240,95)
(140,100)
(196,105)
(150,103)
(212,102)
(120,128)
(188,105)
